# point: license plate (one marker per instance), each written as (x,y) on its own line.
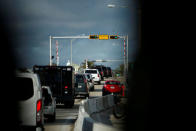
(79,86)
(112,87)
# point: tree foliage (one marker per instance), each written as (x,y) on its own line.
(90,64)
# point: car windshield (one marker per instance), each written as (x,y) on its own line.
(79,78)
(113,83)
(91,71)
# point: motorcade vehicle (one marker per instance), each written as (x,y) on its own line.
(109,71)
(30,101)
(91,82)
(95,74)
(113,86)
(100,69)
(60,79)
(81,85)
(49,104)
(105,71)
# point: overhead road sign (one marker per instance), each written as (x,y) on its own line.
(103,37)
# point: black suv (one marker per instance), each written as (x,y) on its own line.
(101,69)
(81,85)
(109,72)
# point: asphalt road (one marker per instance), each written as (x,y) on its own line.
(66,117)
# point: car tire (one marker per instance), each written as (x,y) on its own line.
(53,117)
(86,96)
(72,103)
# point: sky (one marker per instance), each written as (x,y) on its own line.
(34,21)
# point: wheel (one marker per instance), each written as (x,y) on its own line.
(103,93)
(72,103)
(69,104)
(86,96)
(119,111)
(53,117)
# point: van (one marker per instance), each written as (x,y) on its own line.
(30,102)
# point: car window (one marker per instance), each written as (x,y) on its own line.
(91,71)
(25,88)
(79,78)
(47,97)
(113,83)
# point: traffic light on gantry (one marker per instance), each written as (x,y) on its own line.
(114,37)
(93,36)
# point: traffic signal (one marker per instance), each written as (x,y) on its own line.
(93,36)
(114,37)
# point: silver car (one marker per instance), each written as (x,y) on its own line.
(91,82)
(49,104)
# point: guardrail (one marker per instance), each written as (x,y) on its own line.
(89,107)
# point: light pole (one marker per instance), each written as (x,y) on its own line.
(50,50)
(71,52)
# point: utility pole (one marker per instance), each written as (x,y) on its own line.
(71,52)
(86,63)
(124,59)
(127,55)
(50,39)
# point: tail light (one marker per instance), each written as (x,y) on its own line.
(39,112)
(102,73)
(66,87)
(97,75)
(85,81)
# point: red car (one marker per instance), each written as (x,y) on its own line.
(112,86)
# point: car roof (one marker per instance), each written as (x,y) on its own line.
(90,69)
(79,74)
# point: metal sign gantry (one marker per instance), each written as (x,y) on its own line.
(88,37)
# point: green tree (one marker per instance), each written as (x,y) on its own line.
(90,64)
(120,69)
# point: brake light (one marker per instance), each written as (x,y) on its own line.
(102,73)
(97,75)
(39,113)
(39,105)
(66,87)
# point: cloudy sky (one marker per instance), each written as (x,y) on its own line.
(34,20)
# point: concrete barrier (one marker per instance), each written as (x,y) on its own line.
(87,108)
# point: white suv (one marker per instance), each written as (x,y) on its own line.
(49,103)
(95,74)
(30,102)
